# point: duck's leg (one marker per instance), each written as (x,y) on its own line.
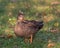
(26,40)
(31,38)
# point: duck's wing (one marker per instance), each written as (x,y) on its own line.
(30,23)
(35,24)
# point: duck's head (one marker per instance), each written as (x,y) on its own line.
(20,16)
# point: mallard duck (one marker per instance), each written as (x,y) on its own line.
(27,28)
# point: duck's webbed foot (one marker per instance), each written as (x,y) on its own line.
(30,39)
(26,40)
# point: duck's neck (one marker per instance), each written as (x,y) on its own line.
(20,20)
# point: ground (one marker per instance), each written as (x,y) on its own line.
(48,11)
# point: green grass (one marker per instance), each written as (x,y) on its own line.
(40,41)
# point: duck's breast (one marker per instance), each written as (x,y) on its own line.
(19,29)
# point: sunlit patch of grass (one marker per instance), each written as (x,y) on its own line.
(41,8)
(11,6)
(12,21)
(49,18)
(0,0)
(57,45)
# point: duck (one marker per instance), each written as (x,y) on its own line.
(27,28)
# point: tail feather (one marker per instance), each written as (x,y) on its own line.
(40,25)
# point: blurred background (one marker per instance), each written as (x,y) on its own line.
(46,10)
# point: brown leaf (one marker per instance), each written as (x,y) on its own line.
(50,45)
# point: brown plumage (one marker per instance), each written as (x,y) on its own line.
(27,28)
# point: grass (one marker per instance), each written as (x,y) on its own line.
(40,41)
(50,15)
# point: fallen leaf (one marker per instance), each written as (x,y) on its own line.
(50,45)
